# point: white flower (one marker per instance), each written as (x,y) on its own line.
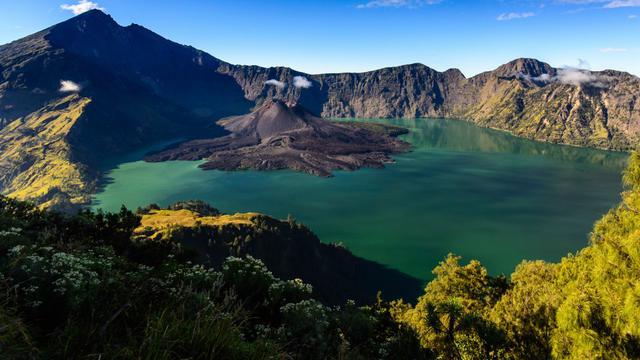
(16,250)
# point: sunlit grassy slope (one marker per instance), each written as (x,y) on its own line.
(157,224)
(36,156)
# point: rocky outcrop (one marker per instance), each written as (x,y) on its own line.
(526,97)
(278,136)
(406,91)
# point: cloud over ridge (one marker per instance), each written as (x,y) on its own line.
(69,86)
(81,7)
(276,83)
(570,76)
(301,82)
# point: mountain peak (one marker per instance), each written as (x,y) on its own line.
(281,105)
(93,13)
(524,66)
(85,28)
(279,136)
(92,18)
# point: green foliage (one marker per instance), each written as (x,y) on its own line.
(451,316)
(84,287)
(306,326)
(198,206)
(249,277)
(470,285)
(597,315)
(80,287)
(200,329)
(527,311)
(585,307)
(15,339)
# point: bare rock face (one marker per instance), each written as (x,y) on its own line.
(526,97)
(277,136)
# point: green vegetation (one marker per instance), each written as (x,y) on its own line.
(289,249)
(86,287)
(585,307)
(80,287)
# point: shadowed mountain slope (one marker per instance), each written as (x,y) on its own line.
(130,87)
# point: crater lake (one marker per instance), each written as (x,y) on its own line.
(476,192)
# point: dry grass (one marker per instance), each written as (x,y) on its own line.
(39,140)
(157,223)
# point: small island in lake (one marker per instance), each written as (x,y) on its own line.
(279,136)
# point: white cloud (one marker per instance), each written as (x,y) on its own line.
(276,83)
(632,17)
(301,82)
(81,7)
(397,3)
(513,15)
(623,3)
(582,2)
(573,76)
(613,50)
(545,78)
(609,4)
(69,86)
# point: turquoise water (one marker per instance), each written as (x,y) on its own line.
(476,192)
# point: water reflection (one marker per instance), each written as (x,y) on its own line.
(461,136)
(476,192)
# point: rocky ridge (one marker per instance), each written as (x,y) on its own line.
(88,89)
(526,97)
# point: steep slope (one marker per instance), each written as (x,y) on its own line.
(278,136)
(129,88)
(569,106)
(35,158)
(405,91)
(289,249)
(527,97)
(176,73)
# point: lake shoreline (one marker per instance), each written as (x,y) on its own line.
(501,187)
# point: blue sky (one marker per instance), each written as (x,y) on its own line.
(319,36)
